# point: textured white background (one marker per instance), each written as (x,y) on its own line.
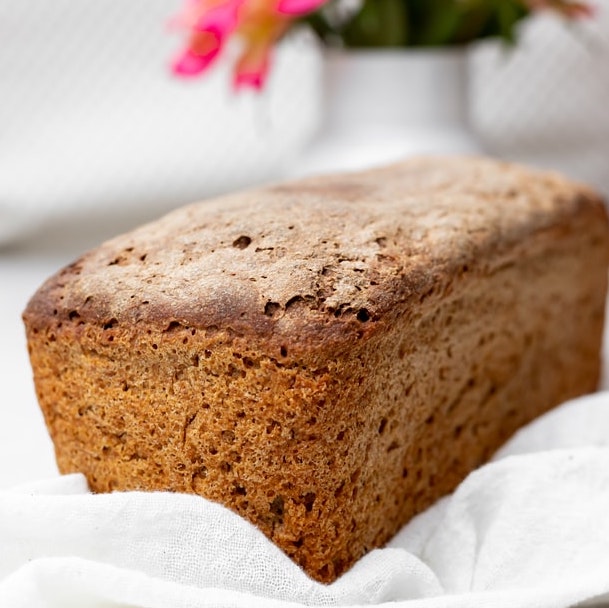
(93,128)
(94,131)
(546,102)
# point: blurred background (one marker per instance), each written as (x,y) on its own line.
(97,135)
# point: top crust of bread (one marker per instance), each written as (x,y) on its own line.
(295,262)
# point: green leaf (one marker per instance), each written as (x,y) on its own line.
(379,23)
(391,23)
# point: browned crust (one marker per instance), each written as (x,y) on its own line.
(330,260)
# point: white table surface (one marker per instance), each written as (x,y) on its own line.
(26,452)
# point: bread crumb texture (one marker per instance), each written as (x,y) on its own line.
(327,357)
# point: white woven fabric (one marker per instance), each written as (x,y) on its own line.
(529,530)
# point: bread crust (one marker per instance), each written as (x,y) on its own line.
(327,357)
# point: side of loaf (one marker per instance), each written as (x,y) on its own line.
(329,357)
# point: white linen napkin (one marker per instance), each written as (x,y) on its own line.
(529,530)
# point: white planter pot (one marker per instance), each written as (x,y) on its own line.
(383,105)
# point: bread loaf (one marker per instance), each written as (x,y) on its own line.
(328,357)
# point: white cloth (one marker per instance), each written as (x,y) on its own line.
(529,530)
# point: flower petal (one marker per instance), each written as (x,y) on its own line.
(298,7)
(246,80)
(252,68)
(190,63)
(222,18)
(211,24)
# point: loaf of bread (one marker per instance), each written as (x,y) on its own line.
(328,357)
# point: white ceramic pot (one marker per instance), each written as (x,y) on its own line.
(383,105)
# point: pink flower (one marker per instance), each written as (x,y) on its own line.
(252,68)
(260,23)
(298,7)
(211,23)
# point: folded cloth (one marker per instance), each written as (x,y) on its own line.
(530,529)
